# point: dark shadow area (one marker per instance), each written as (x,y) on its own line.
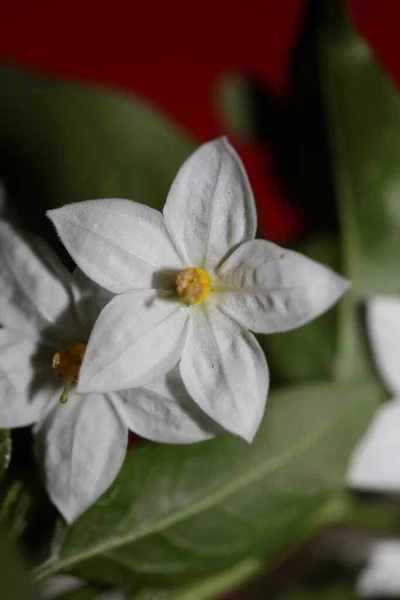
(30,510)
(27,199)
(293,129)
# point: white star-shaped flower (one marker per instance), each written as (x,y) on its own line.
(47,315)
(375,464)
(190,283)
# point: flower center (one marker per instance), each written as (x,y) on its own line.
(193,285)
(66,364)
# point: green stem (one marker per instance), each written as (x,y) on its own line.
(331,44)
(67,387)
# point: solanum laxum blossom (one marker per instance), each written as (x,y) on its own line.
(80,439)
(375,463)
(190,283)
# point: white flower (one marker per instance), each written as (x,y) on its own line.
(375,464)
(381,576)
(47,316)
(190,283)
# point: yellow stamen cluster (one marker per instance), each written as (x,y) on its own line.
(66,363)
(193,285)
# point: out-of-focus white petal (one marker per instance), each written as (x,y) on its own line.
(381,577)
(375,463)
(270,289)
(119,244)
(210,207)
(383,322)
(34,298)
(225,372)
(58,586)
(137,338)
(80,446)
(27,384)
(164,412)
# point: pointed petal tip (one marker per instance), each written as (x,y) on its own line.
(51,213)
(224,140)
(346,283)
(343,285)
(69,514)
(248,437)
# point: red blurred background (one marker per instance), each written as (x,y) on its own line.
(173,54)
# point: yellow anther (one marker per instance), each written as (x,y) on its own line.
(67,362)
(193,285)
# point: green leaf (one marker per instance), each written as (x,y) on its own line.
(86,592)
(335,591)
(14,579)
(235,106)
(176,513)
(363,117)
(16,502)
(5,451)
(211,587)
(63,143)
(307,353)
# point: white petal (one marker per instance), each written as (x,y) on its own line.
(164,412)
(137,338)
(33,297)
(271,289)
(375,464)
(225,372)
(383,322)
(119,244)
(381,576)
(80,446)
(27,383)
(59,586)
(210,207)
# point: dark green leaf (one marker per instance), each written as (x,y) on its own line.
(235,104)
(5,451)
(14,579)
(363,117)
(339,591)
(178,512)
(63,143)
(15,504)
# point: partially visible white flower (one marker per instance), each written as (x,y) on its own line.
(54,587)
(64,585)
(47,315)
(381,576)
(375,463)
(190,283)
